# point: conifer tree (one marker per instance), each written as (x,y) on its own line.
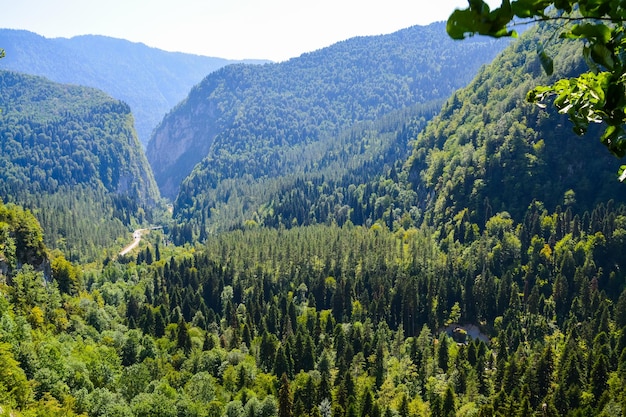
(183,339)
(448,404)
(442,353)
(325,386)
(285,401)
(281,362)
(598,377)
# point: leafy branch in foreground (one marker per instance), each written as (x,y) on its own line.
(596,96)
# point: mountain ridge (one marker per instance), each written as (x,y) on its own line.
(248,117)
(150,80)
(491,150)
(71,154)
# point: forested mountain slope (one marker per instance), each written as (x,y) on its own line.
(490,151)
(476,314)
(150,80)
(257,122)
(72,154)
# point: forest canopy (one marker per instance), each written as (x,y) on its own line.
(594,96)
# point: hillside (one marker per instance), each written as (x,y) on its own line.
(72,154)
(149,80)
(490,151)
(487,151)
(261,122)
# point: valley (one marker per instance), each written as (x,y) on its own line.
(381,228)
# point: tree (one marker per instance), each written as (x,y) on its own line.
(183,340)
(130,349)
(443,355)
(14,386)
(599,376)
(447,407)
(596,96)
(65,274)
(285,402)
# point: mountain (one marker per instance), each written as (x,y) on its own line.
(150,80)
(246,123)
(434,288)
(71,154)
(490,151)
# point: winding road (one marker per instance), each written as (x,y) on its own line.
(136,239)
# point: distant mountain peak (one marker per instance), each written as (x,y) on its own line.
(150,80)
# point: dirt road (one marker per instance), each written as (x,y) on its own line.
(136,239)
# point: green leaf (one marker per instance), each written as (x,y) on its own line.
(478,18)
(602,55)
(565,5)
(590,62)
(460,23)
(502,15)
(538,94)
(479,6)
(529,8)
(600,32)
(613,138)
(594,8)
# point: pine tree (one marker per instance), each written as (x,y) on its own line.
(448,407)
(379,366)
(285,402)
(525,409)
(545,368)
(208,343)
(442,353)
(620,311)
(308,354)
(599,376)
(368,404)
(324,368)
(183,339)
(159,324)
(281,362)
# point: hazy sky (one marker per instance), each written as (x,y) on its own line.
(235,29)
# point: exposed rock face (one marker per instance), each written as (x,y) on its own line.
(178,144)
(243,120)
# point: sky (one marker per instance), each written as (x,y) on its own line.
(234,29)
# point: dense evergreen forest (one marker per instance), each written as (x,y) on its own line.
(438,259)
(71,154)
(333,180)
(487,151)
(323,320)
(246,123)
(149,80)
